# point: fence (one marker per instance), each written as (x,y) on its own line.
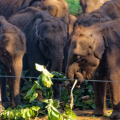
(62,79)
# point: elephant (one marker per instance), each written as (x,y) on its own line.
(94,54)
(103,14)
(59,9)
(71,23)
(56,8)
(11,7)
(12,49)
(7,9)
(90,5)
(46,36)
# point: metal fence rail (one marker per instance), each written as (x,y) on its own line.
(60,79)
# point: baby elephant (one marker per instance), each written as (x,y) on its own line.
(12,49)
(94,52)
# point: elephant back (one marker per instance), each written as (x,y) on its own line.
(27,17)
(10,7)
(103,14)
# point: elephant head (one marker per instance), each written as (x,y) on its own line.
(52,35)
(85,51)
(56,8)
(12,49)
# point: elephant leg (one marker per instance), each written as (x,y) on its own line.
(115,94)
(4,90)
(11,89)
(100,91)
(100,98)
(57,92)
(3,69)
(25,67)
(14,83)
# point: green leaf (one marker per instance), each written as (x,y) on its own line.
(58,75)
(47,73)
(54,114)
(35,95)
(4,115)
(69,115)
(29,93)
(29,113)
(64,96)
(46,80)
(56,103)
(35,108)
(24,88)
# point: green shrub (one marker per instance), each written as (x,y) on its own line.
(74,7)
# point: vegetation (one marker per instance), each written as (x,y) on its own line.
(34,104)
(33,108)
(74,7)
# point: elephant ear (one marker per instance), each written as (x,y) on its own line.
(32,1)
(99,45)
(37,22)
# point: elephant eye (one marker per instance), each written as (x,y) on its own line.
(39,6)
(91,47)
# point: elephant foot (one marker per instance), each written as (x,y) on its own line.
(115,115)
(15,103)
(99,112)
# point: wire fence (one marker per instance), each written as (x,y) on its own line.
(59,79)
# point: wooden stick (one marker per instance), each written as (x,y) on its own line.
(71,96)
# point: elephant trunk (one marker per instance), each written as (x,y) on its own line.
(57,61)
(14,83)
(72,72)
(56,66)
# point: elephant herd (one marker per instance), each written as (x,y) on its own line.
(43,32)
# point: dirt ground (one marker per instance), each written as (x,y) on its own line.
(87,115)
(84,115)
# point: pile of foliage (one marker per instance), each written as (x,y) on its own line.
(30,108)
(74,7)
